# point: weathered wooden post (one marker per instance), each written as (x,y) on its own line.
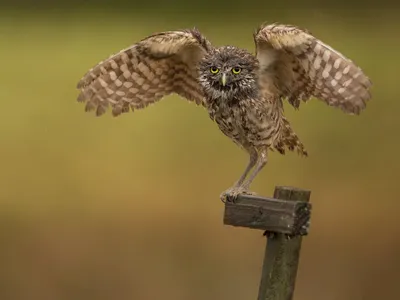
(285,219)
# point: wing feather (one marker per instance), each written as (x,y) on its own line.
(300,66)
(144,73)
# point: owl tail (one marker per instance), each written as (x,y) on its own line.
(290,140)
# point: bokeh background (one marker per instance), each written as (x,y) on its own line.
(128,207)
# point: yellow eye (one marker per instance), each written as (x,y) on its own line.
(236,70)
(214,70)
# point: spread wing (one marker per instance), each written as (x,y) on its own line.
(142,74)
(301,66)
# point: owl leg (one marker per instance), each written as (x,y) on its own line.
(261,162)
(236,189)
(251,164)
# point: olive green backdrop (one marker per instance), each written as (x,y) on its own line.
(128,207)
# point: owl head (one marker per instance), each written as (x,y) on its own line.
(229,73)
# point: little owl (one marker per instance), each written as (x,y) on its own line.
(243,93)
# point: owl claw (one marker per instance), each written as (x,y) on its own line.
(232,193)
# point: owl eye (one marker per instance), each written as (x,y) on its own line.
(236,70)
(214,70)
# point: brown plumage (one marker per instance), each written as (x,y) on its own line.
(144,73)
(243,93)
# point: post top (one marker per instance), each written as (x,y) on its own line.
(292,193)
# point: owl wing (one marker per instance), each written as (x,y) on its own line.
(301,66)
(142,74)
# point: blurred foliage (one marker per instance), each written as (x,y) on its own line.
(128,208)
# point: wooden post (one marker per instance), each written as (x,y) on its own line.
(285,219)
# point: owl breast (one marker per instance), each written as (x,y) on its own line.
(248,122)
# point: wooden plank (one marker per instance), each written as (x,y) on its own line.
(270,214)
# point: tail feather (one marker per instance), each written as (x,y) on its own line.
(289,140)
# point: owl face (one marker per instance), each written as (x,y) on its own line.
(228,72)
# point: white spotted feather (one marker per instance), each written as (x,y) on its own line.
(302,66)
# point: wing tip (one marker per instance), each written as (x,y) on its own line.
(358,105)
(80,84)
(81,97)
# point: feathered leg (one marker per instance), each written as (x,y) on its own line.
(261,162)
(237,188)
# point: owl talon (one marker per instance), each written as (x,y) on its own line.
(230,195)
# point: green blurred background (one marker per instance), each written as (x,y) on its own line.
(128,207)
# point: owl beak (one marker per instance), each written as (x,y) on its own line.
(223,79)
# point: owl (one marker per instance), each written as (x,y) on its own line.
(242,92)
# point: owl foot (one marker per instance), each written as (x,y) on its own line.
(231,194)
